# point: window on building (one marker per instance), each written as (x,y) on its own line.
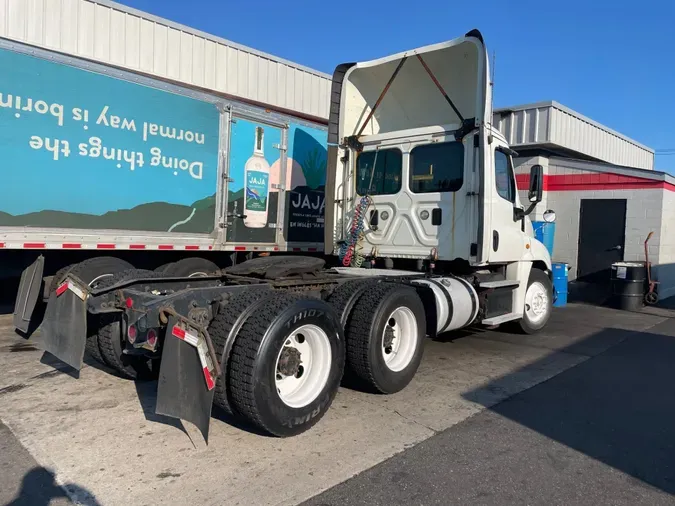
(437,167)
(385,179)
(504,179)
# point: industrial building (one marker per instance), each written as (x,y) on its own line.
(602,186)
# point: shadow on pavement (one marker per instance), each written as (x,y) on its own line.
(617,407)
(39,488)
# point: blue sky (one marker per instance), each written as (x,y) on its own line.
(611,60)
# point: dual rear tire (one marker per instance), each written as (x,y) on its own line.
(283,356)
(284,367)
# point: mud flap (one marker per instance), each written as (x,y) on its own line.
(28,295)
(184,390)
(64,328)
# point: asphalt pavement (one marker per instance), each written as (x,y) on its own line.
(601,432)
(581,413)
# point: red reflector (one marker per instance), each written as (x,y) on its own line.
(152,337)
(209,379)
(132,333)
(178,332)
(62,288)
(129,303)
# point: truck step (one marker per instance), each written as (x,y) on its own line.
(496,320)
(502,283)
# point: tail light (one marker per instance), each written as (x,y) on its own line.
(152,337)
(132,333)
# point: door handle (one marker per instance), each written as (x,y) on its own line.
(374,219)
(616,248)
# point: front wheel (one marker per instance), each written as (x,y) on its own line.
(538,303)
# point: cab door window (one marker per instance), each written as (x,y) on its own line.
(504,179)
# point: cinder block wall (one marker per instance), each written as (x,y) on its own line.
(664,271)
(644,210)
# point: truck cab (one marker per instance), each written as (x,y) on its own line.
(418,172)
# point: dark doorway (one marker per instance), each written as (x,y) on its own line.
(602,234)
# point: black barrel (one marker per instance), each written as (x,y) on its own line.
(629,284)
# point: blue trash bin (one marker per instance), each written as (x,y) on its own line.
(544,232)
(560,275)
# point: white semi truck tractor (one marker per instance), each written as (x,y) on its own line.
(425,234)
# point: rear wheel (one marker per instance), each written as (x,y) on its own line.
(220,329)
(111,335)
(286,364)
(190,267)
(92,271)
(385,337)
(538,303)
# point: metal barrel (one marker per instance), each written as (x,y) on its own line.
(629,283)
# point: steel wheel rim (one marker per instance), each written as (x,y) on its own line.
(299,387)
(536,302)
(399,339)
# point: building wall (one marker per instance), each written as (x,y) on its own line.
(118,35)
(565,188)
(665,270)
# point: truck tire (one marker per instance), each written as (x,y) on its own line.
(163,267)
(219,330)
(269,385)
(538,303)
(111,334)
(190,267)
(92,271)
(385,337)
(345,296)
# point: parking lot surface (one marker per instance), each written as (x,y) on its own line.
(100,438)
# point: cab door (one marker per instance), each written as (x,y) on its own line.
(506,239)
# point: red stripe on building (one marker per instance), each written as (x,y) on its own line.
(105,246)
(137,246)
(31,245)
(599,181)
(191,247)
(165,246)
(71,245)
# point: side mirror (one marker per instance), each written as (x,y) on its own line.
(536,192)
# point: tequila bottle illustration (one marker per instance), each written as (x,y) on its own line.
(256,189)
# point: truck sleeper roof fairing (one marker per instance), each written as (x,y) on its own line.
(452,90)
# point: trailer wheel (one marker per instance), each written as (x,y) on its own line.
(385,337)
(538,303)
(111,335)
(92,271)
(190,267)
(286,364)
(219,330)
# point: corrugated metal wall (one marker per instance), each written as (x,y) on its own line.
(553,124)
(112,33)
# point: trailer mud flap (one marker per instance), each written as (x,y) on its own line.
(64,328)
(28,295)
(186,385)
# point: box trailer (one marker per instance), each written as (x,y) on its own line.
(424,233)
(97,160)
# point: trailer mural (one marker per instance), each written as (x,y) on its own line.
(255,173)
(84,150)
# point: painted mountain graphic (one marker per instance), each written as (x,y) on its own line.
(197,218)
